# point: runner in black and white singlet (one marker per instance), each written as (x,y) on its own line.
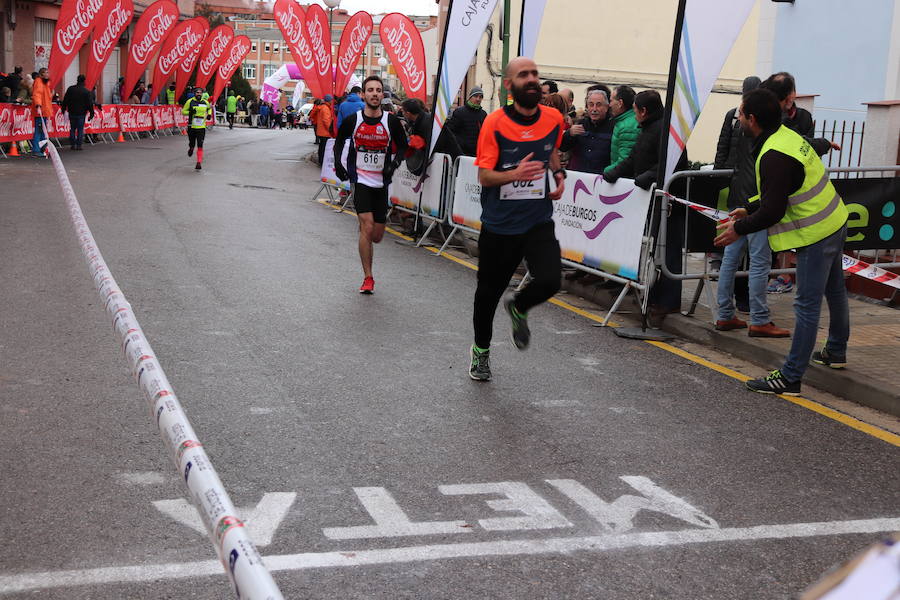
(378,144)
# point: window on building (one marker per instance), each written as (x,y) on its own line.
(250,71)
(43,41)
(378,50)
(268,47)
(275,47)
(270,70)
(253,47)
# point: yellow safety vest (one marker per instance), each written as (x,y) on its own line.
(814,211)
(196,112)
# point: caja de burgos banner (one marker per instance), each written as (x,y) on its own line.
(466,202)
(601,224)
(406,187)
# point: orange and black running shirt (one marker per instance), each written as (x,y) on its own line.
(506,138)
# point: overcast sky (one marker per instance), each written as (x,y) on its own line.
(408,7)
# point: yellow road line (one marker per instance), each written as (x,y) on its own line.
(877,432)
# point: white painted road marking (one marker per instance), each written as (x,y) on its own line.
(262,521)
(390,518)
(352,558)
(519,498)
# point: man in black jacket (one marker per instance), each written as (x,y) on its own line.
(590,139)
(12,81)
(78,102)
(420,124)
(465,122)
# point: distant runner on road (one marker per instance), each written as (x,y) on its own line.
(197,110)
(378,144)
(518,151)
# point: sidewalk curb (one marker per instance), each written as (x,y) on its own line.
(844,383)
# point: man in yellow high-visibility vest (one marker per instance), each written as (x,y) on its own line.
(801,210)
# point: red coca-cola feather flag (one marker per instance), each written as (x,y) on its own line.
(234,56)
(212,53)
(112,20)
(353,41)
(403,43)
(184,70)
(180,43)
(75,22)
(292,21)
(151,29)
(317,35)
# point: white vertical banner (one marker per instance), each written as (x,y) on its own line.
(532,15)
(466,22)
(710,29)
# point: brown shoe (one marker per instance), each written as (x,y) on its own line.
(769,330)
(730,324)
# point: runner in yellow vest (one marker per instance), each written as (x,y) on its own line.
(801,210)
(197,109)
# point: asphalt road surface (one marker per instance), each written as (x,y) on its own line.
(366,461)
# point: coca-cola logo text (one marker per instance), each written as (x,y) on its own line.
(291,26)
(316,39)
(115,23)
(358,38)
(238,51)
(219,43)
(159,26)
(401,43)
(68,37)
(185,41)
(136,118)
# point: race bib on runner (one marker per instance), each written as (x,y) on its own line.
(370,161)
(524,190)
(198,121)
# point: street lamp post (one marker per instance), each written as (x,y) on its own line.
(331,4)
(382,63)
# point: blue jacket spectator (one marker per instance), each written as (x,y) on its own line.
(352,105)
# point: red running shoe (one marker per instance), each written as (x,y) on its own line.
(368,286)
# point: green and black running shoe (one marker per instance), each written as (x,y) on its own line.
(480,367)
(774,383)
(829,360)
(520,333)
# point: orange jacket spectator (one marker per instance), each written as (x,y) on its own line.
(323,119)
(41,96)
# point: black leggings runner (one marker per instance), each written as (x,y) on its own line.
(498,258)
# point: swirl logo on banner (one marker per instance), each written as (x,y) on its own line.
(315,32)
(213,53)
(184,39)
(113,19)
(403,43)
(75,22)
(292,21)
(151,29)
(353,41)
(184,70)
(234,56)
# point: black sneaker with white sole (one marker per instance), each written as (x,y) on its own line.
(829,360)
(774,383)
(480,366)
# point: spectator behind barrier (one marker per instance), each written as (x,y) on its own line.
(547,88)
(353,104)
(626,130)
(590,139)
(465,122)
(420,124)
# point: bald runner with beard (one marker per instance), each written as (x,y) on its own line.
(517,156)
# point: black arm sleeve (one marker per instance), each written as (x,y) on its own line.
(568,141)
(780,176)
(723,147)
(343,134)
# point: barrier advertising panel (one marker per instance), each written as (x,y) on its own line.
(163,116)
(466,201)
(106,120)
(327,174)
(601,224)
(135,117)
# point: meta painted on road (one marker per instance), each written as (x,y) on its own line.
(388,520)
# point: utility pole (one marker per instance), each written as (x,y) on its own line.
(505,24)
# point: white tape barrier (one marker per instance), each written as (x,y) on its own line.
(854,266)
(238,555)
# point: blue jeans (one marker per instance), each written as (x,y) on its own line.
(76,130)
(819,273)
(757,244)
(38,135)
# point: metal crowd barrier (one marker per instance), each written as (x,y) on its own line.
(705,275)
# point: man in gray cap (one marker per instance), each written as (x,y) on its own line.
(465,122)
